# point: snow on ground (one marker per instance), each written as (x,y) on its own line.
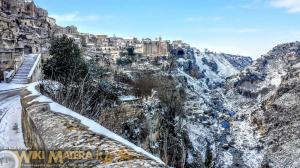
(128,98)
(244,132)
(199,135)
(246,140)
(228,158)
(92,125)
(10,86)
(11,136)
(225,69)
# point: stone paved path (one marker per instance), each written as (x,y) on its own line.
(11,136)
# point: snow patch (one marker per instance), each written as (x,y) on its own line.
(228,158)
(11,136)
(128,98)
(10,86)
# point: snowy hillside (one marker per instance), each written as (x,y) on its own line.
(225,112)
(230,109)
(250,92)
(207,120)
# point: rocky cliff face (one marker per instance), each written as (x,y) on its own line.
(201,127)
(20,32)
(281,121)
(264,96)
(236,113)
(207,118)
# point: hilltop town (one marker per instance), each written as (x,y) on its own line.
(28,29)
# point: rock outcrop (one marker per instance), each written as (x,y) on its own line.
(266,97)
(202,125)
(281,113)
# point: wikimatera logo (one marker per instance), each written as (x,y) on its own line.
(18,159)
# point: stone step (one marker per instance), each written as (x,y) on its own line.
(25,65)
(20,77)
(24,70)
(16,79)
(24,74)
(28,69)
(19,81)
(26,62)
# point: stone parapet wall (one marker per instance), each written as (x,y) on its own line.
(36,71)
(45,129)
(32,138)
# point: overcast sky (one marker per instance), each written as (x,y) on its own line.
(245,27)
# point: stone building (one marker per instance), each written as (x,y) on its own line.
(26,7)
(71,30)
(60,31)
(102,40)
(51,21)
(25,29)
(10,53)
(138,48)
(179,44)
(130,41)
(156,48)
(27,22)
(13,6)
(8,32)
(84,38)
(30,8)
(10,60)
(40,12)
(115,42)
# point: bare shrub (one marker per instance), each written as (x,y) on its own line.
(143,87)
(122,78)
(172,137)
(87,98)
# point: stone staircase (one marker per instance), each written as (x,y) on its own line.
(21,76)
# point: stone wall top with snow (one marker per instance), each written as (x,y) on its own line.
(50,126)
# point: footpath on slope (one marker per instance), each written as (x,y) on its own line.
(11,135)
